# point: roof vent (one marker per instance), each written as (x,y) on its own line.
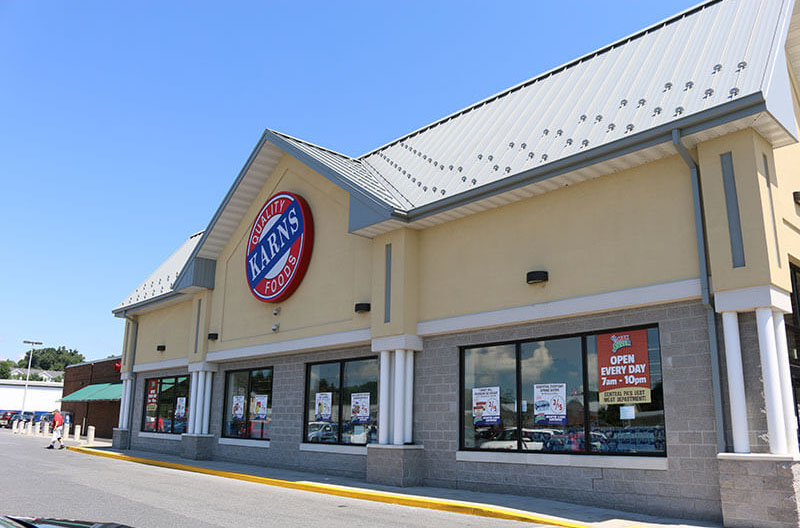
(460,168)
(545,132)
(742,65)
(463,178)
(717,68)
(441,167)
(569,141)
(641,103)
(474,181)
(611,126)
(623,103)
(425,157)
(419,183)
(559,132)
(496,167)
(523,146)
(435,163)
(442,192)
(480,156)
(689,85)
(678,110)
(583,117)
(508,169)
(433,189)
(598,118)
(667,86)
(425,188)
(708,93)
(544,157)
(585,143)
(490,157)
(629,128)
(656,111)
(511,145)
(451,167)
(530,154)
(734,92)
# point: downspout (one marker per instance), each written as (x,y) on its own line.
(132,362)
(702,257)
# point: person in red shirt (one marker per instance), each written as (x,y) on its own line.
(58,427)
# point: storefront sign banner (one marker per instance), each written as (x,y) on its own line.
(279,247)
(152,395)
(623,363)
(322,403)
(260,403)
(359,408)
(180,407)
(238,407)
(486,406)
(550,404)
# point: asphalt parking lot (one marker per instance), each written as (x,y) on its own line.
(40,482)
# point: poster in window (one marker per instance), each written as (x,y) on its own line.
(550,404)
(359,408)
(180,407)
(238,407)
(486,406)
(623,363)
(152,395)
(260,404)
(322,404)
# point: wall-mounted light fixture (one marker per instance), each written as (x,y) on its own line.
(363,307)
(161,348)
(213,336)
(276,311)
(536,277)
(275,327)
(796,196)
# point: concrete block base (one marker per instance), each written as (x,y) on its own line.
(197,446)
(119,438)
(393,465)
(759,490)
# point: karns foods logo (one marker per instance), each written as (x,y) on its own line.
(279,247)
(620,341)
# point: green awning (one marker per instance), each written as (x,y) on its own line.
(97,392)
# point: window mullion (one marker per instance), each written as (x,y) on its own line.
(518,402)
(587,433)
(340,425)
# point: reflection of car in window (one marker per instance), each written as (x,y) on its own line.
(321,432)
(532,439)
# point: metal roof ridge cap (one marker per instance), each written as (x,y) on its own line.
(253,155)
(340,180)
(387,182)
(640,140)
(326,149)
(669,20)
(152,300)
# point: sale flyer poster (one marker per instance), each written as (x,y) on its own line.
(322,404)
(486,406)
(550,404)
(152,395)
(180,407)
(260,404)
(359,408)
(623,363)
(238,407)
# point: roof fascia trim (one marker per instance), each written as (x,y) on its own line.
(122,312)
(749,105)
(328,172)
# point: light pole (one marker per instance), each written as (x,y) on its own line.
(28,377)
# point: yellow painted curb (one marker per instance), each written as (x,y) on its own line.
(341,491)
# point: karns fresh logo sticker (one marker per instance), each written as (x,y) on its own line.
(279,247)
(619,342)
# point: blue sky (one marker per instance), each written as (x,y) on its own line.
(122,125)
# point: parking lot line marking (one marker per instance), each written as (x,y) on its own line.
(343,491)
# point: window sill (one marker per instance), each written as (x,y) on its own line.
(541,459)
(335,448)
(160,436)
(243,442)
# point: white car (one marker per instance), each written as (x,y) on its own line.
(532,439)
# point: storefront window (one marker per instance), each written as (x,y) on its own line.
(346,389)
(248,404)
(166,405)
(530,395)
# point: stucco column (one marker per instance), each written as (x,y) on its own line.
(192,401)
(201,389)
(383,398)
(399,398)
(207,402)
(408,416)
(772,381)
(122,403)
(787,393)
(736,394)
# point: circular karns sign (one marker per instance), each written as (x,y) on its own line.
(279,247)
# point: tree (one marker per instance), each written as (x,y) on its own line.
(5,368)
(52,358)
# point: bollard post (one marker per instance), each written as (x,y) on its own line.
(90,435)
(29,428)
(77,432)
(65,431)
(38,429)
(47,429)
(15,426)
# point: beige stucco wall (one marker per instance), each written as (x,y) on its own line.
(170,326)
(629,229)
(338,276)
(786,179)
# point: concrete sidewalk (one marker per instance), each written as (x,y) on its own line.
(489,504)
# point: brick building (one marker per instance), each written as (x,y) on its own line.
(89,408)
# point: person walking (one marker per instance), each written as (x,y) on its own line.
(58,427)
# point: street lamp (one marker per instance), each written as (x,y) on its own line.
(28,377)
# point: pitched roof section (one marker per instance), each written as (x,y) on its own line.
(709,56)
(162,280)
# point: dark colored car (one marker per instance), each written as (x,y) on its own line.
(23,418)
(5,418)
(26,522)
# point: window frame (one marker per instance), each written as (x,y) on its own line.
(587,415)
(306,399)
(246,414)
(175,377)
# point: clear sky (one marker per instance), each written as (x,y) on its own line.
(123,124)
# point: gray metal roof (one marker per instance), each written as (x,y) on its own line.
(162,280)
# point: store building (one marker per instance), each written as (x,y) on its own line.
(607,252)
(42,396)
(92,393)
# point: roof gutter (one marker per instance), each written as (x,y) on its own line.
(718,115)
(705,279)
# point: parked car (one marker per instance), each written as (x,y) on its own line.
(5,418)
(43,417)
(532,439)
(23,418)
(40,522)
